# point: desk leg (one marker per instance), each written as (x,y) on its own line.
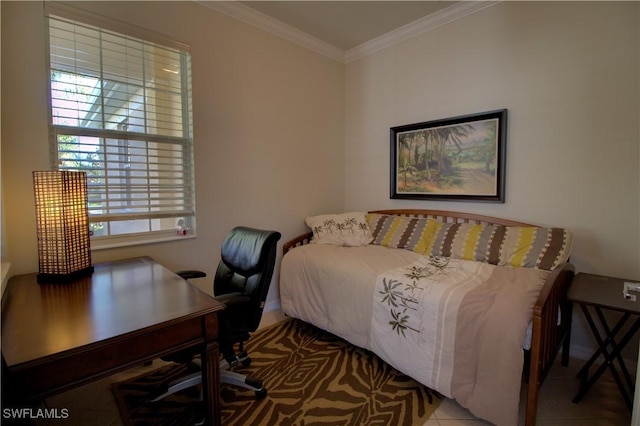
(211,383)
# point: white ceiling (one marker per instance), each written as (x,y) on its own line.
(347,30)
(347,24)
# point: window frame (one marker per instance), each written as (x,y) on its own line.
(150,236)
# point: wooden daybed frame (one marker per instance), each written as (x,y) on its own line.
(551,313)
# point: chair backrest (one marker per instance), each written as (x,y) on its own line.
(248,258)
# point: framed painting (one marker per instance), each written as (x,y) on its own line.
(460,158)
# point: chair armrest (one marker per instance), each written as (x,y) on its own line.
(187,275)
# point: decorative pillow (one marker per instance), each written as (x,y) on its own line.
(346,229)
(410,233)
(468,241)
(541,248)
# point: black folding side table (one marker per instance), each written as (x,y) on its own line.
(595,293)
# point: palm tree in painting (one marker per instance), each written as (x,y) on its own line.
(426,155)
(487,151)
(447,135)
(406,168)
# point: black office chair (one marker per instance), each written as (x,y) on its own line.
(241,282)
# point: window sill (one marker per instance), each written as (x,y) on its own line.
(135,240)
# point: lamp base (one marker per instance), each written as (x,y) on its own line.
(64,278)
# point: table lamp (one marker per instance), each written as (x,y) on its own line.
(62,226)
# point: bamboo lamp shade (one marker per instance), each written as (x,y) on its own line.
(62,225)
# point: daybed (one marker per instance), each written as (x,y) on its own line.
(460,302)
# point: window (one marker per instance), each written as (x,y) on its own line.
(121,111)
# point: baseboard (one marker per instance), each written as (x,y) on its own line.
(271,314)
(5,276)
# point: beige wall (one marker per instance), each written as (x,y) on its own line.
(569,74)
(268,127)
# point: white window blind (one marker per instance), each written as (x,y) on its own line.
(121,111)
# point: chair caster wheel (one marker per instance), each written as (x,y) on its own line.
(261,393)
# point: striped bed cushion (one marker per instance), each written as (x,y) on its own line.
(468,241)
(404,232)
(531,247)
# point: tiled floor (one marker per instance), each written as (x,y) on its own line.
(94,405)
(602,406)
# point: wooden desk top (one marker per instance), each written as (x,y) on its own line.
(602,291)
(119,298)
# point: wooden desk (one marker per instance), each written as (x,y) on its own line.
(597,293)
(59,336)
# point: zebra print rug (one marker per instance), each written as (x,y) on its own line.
(312,377)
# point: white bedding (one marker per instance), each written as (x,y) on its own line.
(318,286)
(323,306)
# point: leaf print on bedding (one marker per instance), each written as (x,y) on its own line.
(402,297)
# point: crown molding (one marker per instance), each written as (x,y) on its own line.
(271,25)
(417,27)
